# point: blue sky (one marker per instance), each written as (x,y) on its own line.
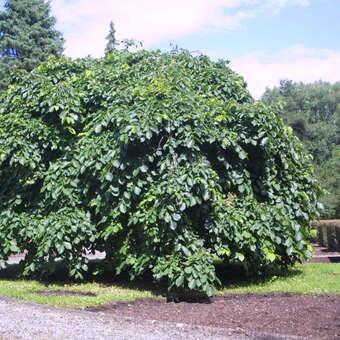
(265,40)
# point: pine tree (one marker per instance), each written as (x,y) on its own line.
(112,42)
(27,36)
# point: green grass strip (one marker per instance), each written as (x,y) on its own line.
(307,278)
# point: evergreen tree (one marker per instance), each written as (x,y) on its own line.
(27,36)
(112,42)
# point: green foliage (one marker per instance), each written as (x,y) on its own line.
(329,176)
(313,111)
(163,161)
(27,36)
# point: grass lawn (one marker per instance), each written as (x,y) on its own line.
(307,278)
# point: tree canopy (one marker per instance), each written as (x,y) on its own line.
(313,111)
(162,160)
(27,36)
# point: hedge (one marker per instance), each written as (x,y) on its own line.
(328,234)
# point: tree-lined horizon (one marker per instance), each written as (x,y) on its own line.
(313,111)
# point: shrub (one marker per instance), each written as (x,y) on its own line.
(163,161)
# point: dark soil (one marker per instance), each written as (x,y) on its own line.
(310,316)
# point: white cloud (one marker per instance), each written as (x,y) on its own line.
(298,63)
(85,23)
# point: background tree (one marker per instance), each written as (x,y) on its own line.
(112,42)
(27,36)
(313,111)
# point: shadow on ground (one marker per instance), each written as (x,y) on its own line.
(102,272)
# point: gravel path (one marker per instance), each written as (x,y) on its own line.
(26,320)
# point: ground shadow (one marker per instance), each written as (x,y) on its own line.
(99,271)
(103,273)
(237,275)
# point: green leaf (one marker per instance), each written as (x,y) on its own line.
(209,291)
(206,195)
(122,208)
(240,256)
(190,144)
(186,251)
(167,218)
(271,257)
(68,245)
(137,190)
(173,225)
(188,270)
(176,217)
(136,172)
(109,176)
(299,236)
(193,201)
(98,129)
(242,154)
(264,141)
(179,281)
(116,164)
(144,168)
(191,283)
(127,195)
(14,248)
(60,248)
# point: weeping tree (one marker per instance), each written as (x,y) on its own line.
(162,160)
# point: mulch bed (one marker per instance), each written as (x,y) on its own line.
(312,316)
